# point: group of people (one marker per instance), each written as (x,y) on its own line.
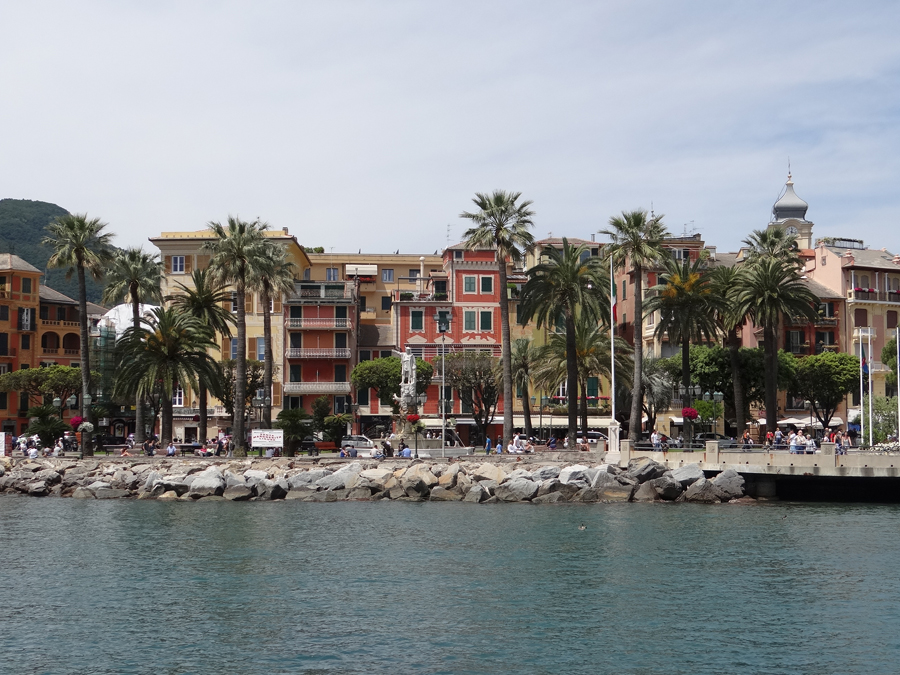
(31,447)
(518,445)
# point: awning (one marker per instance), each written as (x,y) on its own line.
(361,270)
(678,421)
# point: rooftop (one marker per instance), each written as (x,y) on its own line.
(10,261)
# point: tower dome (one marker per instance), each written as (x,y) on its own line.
(789,205)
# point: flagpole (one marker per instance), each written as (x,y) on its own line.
(897,338)
(862,417)
(870,390)
(613,427)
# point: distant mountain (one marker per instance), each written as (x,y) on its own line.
(22,226)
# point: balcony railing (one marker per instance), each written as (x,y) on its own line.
(317,388)
(7,351)
(71,352)
(64,324)
(50,350)
(314,292)
(411,296)
(874,296)
(864,333)
(318,353)
(326,323)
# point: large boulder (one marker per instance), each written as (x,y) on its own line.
(38,488)
(271,489)
(237,493)
(488,471)
(334,481)
(359,493)
(602,479)
(688,474)
(646,492)
(703,491)
(550,498)
(207,482)
(149,481)
(82,493)
(667,487)
(50,476)
(587,495)
(643,469)
(489,486)
(616,493)
(307,477)
(516,490)
(168,496)
(545,473)
(730,484)
(111,493)
(575,474)
(174,484)
(414,487)
(255,474)
(421,472)
(442,494)
(476,494)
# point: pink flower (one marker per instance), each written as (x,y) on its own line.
(689,413)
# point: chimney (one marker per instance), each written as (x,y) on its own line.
(896,259)
(421,280)
(285,230)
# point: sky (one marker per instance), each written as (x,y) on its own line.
(371,125)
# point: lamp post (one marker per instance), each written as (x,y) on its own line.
(718,397)
(443,324)
(260,403)
(533,401)
(687,396)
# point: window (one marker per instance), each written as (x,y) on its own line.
(60,313)
(466,407)
(340,405)
(296,312)
(487,284)
(296,340)
(340,372)
(864,281)
(860,318)
(826,310)
(593,387)
(178,396)
(417,320)
(365,355)
(3,402)
(26,285)
(295,373)
(624,289)
(25,342)
(340,341)
(468,284)
(413,274)
(386,353)
(26,318)
(440,287)
(4,313)
(443,320)
(294,402)
(448,399)
(362,397)
(234,344)
(457,255)
(260,349)
(891,319)
(4,368)
(468,320)
(306,277)
(387,275)
(3,287)
(234,303)
(4,344)
(44,313)
(795,341)
(178,264)
(362,303)
(331,274)
(487,320)
(385,303)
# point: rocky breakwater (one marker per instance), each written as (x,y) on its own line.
(506,480)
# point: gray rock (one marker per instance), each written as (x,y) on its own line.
(150,480)
(359,493)
(49,476)
(396,492)
(111,493)
(168,496)
(234,480)
(616,493)
(307,477)
(549,498)
(602,479)
(545,473)
(488,471)
(548,486)
(489,486)
(516,490)
(491,500)
(415,487)
(730,484)
(170,484)
(476,494)
(643,469)
(267,490)
(520,473)
(237,493)
(703,491)
(98,485)
(37,488)
(442,494)
(255,475)
(667,487)
(646,492)
(335,481)
(82,493)
(208,482)
(687,474)
(587,495)
(574,474)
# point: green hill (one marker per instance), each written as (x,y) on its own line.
(22,224)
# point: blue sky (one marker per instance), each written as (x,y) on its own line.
(370,125)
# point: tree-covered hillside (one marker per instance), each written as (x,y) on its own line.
(22,224)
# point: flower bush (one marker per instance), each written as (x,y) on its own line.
(75,421)
(412,419)
(689,413)
(86,427)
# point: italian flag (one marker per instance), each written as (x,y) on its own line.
(612,300)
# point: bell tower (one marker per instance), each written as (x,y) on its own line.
(789,214)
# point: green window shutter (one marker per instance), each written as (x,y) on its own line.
(486,320)
(469,320)
(487,284)
(416,320)
(593,386)
(469,284)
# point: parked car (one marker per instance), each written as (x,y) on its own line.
(724,441)
(359,442)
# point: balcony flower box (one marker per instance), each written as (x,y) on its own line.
(406,296)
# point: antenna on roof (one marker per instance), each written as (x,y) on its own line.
(448,236)
(789,167)
(652,215)
(688,232)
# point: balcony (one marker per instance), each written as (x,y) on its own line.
(62,324)
(318,353)
(871,295)
(49,350)
(864,333)
(327,323)
(7,351)
(317,388)
(410,296)
(71,352)
(324,293)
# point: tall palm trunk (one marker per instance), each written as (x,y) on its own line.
(735,357)
(526,410)
(771,353)
(202,402)
(138,400)
(582,407)
(87,447)
(686,383)
(634,424)
(571,377)
(505,352)
(165,429)
(267,366)
(240,374)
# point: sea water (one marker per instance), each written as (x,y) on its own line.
(387,587)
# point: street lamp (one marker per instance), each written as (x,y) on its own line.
(260,403)
(687,395)
(443,323)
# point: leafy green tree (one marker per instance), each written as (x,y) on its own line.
(171,350)
(321,409)
(297,425)
(474,376)
(134,277)
(568,287)
(636,241)
(524,357)
(81,247)
(236,248)
(45,424)
(824,380)
(656,389)
(889,358)
(335,426)
(44,383)
(687,310)
(228,376)
(709,412)
(384,376)
(204,300)
(502,223)
(771,289)
(273,277)
(884,418)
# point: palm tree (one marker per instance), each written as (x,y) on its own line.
(726,284)
(772,288)
(171,351)
(687,310)
(134,277)
(636,240)
(656,389)
(205,302)
(236,249)
(592,355)
(81,246)
(523,360)
(273,277)
(773,243)
(297,425)
(502,223)
(568,285)
(45,424)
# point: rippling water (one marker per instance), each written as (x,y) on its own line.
(387,587)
